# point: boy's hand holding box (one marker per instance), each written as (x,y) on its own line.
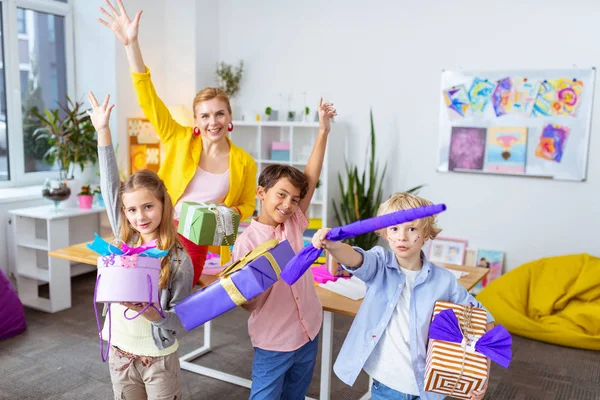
(241,281)
(208,224)
(459,347)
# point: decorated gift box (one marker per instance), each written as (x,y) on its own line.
(208,224)
(127,274)
(241,281)
(459,348)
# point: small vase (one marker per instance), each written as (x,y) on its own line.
(56,190)
(85,201)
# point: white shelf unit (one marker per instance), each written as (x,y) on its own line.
(256,138)
(39,230)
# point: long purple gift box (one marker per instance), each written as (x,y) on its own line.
(251,276)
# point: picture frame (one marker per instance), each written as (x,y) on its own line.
(144,145)
(447,250)
(494,261)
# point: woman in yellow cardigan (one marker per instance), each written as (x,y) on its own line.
(200,163)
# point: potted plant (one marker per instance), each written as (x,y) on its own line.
(362,195)
(86,197)
(291,115)
(99,198)
(228,77)
(70,135)
(306,113)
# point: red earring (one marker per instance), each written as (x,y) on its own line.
(196,131)
(230,127)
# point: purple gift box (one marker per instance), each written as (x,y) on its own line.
(242,281)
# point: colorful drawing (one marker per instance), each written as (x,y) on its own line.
(506,149)
(552,142)
(492,259)
(568,96)
(467,148)
(457,100)
(525,93)
(480,94)
(502,97)
(544,99)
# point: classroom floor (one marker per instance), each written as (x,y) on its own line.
(58,358)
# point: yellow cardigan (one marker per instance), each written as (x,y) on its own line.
(182,151)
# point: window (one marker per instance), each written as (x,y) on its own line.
(35,74)
(46,85)
(4,161)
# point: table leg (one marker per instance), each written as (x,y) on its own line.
(188,365)
(326,355)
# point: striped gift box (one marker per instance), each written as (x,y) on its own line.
(453,368)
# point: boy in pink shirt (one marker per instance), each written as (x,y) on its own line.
(285,320)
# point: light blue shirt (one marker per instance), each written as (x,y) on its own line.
(385,281)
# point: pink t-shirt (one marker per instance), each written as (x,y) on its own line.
(284,317)
(205,187)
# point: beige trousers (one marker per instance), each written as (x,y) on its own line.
(159,381)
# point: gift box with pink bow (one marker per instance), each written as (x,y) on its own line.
(126,274)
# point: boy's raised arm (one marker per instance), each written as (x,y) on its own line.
(315,161)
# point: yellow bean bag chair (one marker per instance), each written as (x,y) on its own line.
(554,300)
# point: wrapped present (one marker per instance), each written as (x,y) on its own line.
(208,224)
(127,274)
(459,348)
(241,281)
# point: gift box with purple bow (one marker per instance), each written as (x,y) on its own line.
(241,281)
(459,348)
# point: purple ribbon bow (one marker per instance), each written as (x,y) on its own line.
(298,265)
(494,344)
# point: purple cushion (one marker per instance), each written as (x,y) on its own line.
(12,314)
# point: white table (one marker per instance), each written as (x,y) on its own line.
(43,229)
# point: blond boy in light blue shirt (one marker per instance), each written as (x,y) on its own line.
(388,337)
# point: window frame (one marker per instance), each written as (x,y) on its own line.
(14,126)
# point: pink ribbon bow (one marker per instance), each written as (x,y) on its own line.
(137,250)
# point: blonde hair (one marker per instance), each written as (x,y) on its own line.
(167,235)
(406,201)
(209,94)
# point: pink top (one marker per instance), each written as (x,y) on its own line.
(284,317)
(205,187)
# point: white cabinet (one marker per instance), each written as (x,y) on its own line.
(38,230)
(257,139)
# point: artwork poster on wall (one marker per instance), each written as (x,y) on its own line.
(537,122)
(506,149)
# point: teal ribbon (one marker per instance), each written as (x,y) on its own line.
(104,248)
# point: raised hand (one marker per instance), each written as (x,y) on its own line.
(326,112)
(119,22)
(100,113)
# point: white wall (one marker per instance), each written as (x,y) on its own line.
(388,55)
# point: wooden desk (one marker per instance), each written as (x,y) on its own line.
(332,303)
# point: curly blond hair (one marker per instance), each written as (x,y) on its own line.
(406,201)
